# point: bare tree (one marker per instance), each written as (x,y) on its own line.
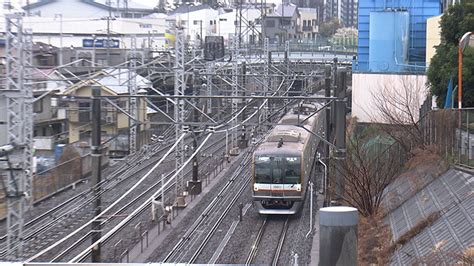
(365,172)
(397,110)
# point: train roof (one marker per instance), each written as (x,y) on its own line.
(294,119)
(284,139)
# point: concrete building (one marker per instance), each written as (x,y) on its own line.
(309,26)
(198,22)
(345,11)
(348,13)
(88,9)
(79,32)
(283,25)
(433,37)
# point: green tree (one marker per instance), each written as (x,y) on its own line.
(458,20)
(328,29)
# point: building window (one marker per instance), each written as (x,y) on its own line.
(285,22)
(38,106)
(270,23)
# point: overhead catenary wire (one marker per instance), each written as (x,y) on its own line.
(142,206)
(108,208)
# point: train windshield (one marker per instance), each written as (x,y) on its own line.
(277,170)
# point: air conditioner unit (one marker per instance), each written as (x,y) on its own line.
(109,119)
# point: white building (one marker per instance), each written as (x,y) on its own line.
(227,25)
(72,32)
(88,8)
(198,22)
(374,92)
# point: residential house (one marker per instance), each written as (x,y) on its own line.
(309,23)
(88,8)
(49,122)
(283,25)
(115,123)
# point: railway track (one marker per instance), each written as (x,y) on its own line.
(147,191)
(70,213)
(67,209)
(81,218)
(265,242)
(195,240)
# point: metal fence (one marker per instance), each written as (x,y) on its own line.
(452,132)
(53,180)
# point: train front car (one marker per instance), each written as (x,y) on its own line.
(279,171)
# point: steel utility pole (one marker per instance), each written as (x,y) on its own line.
(235,88)
(327,93)
(19,120)
(179,113)
(132,90)
(108,32)
(340,126)
(195,184)
(60,37)
(266,72)
(96,154)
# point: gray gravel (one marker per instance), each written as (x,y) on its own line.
(238,248)
(179,229)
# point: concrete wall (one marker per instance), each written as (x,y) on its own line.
(433,37)
(46,112)
(369,88)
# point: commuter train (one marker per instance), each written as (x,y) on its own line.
(281,164)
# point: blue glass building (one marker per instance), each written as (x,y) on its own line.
(418,12)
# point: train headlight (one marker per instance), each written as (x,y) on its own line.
(255,187)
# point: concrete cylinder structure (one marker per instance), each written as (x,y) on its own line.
(338,235)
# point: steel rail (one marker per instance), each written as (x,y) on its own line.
(170,188)
(219,221)
(108,208)
(141,207)
(256,243)
(32,231)
(281,241)
(202,218)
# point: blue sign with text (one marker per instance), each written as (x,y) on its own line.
(100,43)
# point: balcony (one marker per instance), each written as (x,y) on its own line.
(308,28)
